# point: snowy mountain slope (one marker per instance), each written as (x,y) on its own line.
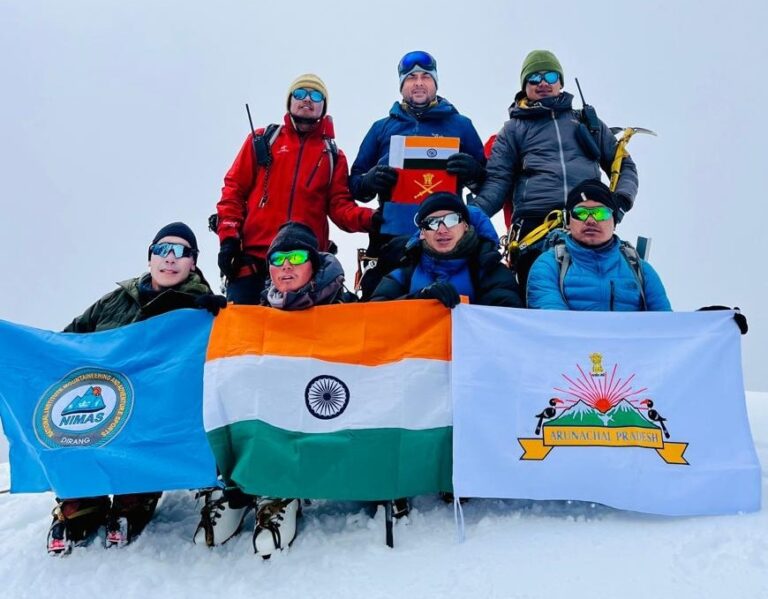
(519,549)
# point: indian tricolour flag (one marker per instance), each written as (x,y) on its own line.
(336,402)
(421,151)
(421,162)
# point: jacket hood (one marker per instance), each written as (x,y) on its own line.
(194,285)
(324,128)
(522,109)
(587,253)
(440,111)
(322,289)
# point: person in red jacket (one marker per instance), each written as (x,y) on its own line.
(306,180)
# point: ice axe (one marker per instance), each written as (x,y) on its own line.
(621,150)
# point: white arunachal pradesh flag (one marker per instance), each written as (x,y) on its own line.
(639,411)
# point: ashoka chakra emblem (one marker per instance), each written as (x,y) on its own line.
(431,152)
(326,396)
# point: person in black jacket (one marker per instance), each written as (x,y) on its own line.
(447,258)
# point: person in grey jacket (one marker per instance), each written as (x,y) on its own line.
(544,150)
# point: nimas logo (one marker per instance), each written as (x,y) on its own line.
(87,408)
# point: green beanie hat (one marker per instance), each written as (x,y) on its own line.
(540,60)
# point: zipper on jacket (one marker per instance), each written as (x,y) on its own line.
(295,177)
(314,170)
(612,297)
(562,158)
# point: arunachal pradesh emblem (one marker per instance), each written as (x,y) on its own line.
(87,408)
(326,397)
(600,410)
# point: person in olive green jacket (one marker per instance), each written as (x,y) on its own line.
(173,282)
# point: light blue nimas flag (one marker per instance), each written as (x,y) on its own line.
(639,411)
(118,411)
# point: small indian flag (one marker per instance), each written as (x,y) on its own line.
(421,151)
(337,402)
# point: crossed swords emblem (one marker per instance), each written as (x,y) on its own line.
(427,186)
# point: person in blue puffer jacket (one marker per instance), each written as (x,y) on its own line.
(600,275)
(451,256)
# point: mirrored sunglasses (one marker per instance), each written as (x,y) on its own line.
(314,95)
(550,77)
(294,257)
(433,222)
(599,213)
(179,250)
(417,58)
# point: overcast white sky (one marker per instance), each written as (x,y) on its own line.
(119,117)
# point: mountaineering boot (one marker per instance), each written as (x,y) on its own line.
(400,508)
(222,516)
(275,525)
(75,523)
(117,531)
(128,517)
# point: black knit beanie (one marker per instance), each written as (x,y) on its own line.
(177,229)
(591,189)
(296,236)
(442,200)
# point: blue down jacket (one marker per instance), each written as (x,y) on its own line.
(442,120)
(542,152)
(597,279)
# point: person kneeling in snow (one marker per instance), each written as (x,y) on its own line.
(301,277)
(173,282)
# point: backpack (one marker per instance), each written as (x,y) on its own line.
(262,156)
(563,258)
(262,148)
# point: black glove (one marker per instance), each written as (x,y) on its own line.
(211,302)
(623,204)
(466,167)
(377,219)
(229,256)
(741,320)
(443,292)
(381,178)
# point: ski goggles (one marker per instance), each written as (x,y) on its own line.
(294,257)
(550,77)
(314,95)
(599,213)
(179,250)
(417,58)
(433,222)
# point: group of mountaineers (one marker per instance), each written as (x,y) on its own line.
(272,223)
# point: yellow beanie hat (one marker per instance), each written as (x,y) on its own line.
(311,81)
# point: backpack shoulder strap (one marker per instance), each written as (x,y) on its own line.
(262,145)
(333,155)
(271,132)
(633,259)
(563,258)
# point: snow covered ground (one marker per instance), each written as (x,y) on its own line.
(515,549)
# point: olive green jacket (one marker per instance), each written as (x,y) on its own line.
(123,305)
